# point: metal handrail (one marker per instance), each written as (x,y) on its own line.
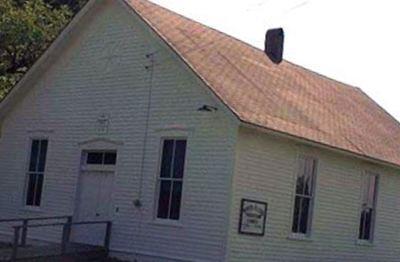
(61,224)
(25,222)
(32,219)
(65,234)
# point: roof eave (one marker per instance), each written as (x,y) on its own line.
(227,107)
(319,145)
(242,121)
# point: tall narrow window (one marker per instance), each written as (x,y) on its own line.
(303,203)
(368,207)
(170,180)
(35,173)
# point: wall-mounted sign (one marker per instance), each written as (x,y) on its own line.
(253,215)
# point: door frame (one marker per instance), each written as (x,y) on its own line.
(95,168)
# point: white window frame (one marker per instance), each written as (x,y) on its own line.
(366,176)
(159,179)
(98,167)
(312,197)
(28,173)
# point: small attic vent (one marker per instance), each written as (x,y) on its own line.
(274,44)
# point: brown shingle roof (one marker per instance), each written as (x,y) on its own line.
(285,97)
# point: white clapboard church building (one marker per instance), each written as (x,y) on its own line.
(197,146)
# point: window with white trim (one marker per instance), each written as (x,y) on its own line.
(170,179)
(368,207)
(303,203)
(35,174)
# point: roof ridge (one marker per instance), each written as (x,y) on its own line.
(240,41)
(296,88)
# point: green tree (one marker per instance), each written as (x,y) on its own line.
(27,28)
(74,5)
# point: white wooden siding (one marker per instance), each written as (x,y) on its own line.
(89,79)
(103,72)
(265,170)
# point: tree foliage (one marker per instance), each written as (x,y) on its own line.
(27,28)
(74,5)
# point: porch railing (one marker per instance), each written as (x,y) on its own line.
(25,223)
(66,234)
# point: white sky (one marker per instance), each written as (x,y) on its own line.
(353,41)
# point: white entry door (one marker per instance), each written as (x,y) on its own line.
(94,203)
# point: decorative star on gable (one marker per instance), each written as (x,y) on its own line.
(110,57)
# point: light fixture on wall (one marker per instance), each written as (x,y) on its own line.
(207,108)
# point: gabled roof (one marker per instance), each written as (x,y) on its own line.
(285,98)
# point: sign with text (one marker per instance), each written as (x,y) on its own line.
(253,215)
